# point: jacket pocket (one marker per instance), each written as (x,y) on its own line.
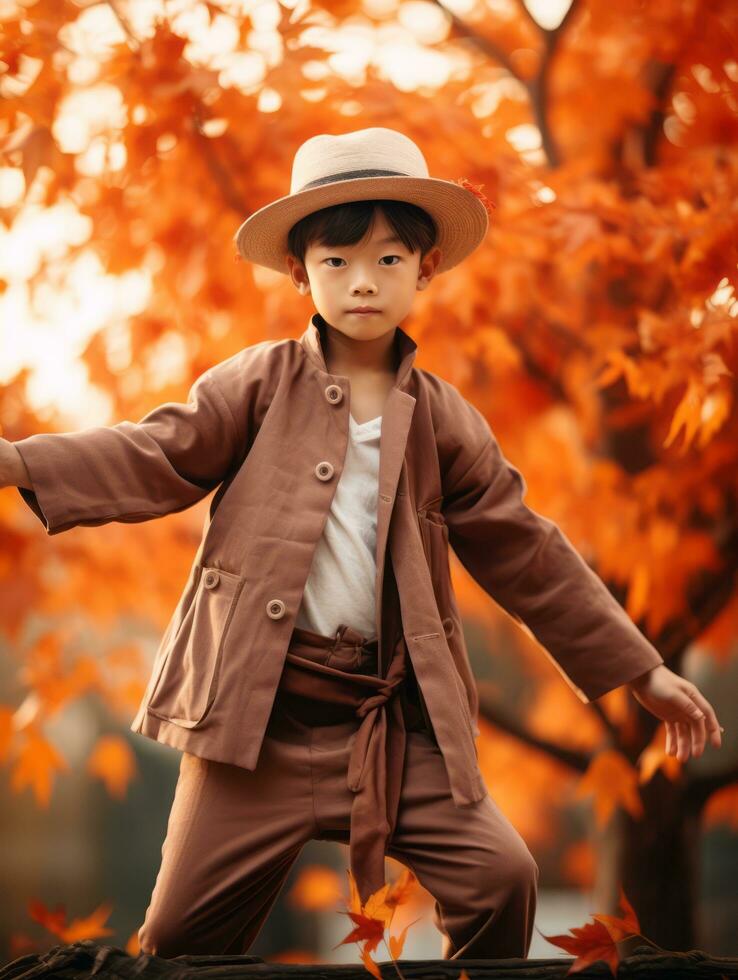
(187,683)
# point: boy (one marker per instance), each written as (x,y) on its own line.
(314,673)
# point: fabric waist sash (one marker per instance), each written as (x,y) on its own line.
(336,678)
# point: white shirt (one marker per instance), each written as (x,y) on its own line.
(341,583)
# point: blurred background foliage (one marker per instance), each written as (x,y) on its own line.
(595,328)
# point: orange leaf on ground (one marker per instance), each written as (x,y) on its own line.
(597,940)
(588,944)
(620,927)
(55,921)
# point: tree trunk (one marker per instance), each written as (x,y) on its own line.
(656,859)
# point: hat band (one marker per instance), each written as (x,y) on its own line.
(351,175)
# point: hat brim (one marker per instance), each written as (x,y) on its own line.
(460,216)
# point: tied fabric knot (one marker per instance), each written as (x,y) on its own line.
(376,763)
(375,776)
(378,699)
(374,723)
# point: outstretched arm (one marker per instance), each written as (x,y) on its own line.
(527,564)
(135,471)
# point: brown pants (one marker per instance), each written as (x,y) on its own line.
(234,834)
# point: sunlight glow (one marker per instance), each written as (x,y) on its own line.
(245,71)
(269,100)
(396,50)
(427,24)
(88,113)
(78,298)
(544,194)
(723,297)
(526,139)
(548,13)
(12,186)
(47,332)
(486,97)
(94,34)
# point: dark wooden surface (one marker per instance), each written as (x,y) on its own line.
(91,959)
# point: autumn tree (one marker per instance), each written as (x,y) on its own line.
(595,328)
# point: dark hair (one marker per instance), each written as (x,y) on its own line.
(348,223)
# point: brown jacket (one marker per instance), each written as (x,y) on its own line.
(268,428)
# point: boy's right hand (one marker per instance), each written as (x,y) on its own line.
(13,471)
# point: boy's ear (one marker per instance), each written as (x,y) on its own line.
(298,274)
(428,266)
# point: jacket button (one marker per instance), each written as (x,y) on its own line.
(324,470)
(275,609)
(211,579)
(448,626)
(334,394)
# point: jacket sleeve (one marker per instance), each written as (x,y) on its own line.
(528,565)
(135,471)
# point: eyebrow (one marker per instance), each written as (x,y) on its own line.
(390,240)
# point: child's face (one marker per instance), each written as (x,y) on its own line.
(373,272)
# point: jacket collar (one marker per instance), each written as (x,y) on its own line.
(312,343)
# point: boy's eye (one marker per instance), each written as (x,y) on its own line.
(336,258)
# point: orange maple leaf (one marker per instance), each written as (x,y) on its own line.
(55,921)
(375,916)
(91,926)
(397,943)
(368,929)
(35,765)
(369,963)
(113,762)
(654,759)
(588,943)
(624,926)
(401,889)
(614,783)
(597,940)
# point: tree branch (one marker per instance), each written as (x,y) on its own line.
(492,712)
(220,174)
(131,40)
(537,87)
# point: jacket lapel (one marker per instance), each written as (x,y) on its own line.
(427,646)
(397,417)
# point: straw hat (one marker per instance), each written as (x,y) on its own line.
(366,164)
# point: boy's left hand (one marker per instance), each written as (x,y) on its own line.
(687,714)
